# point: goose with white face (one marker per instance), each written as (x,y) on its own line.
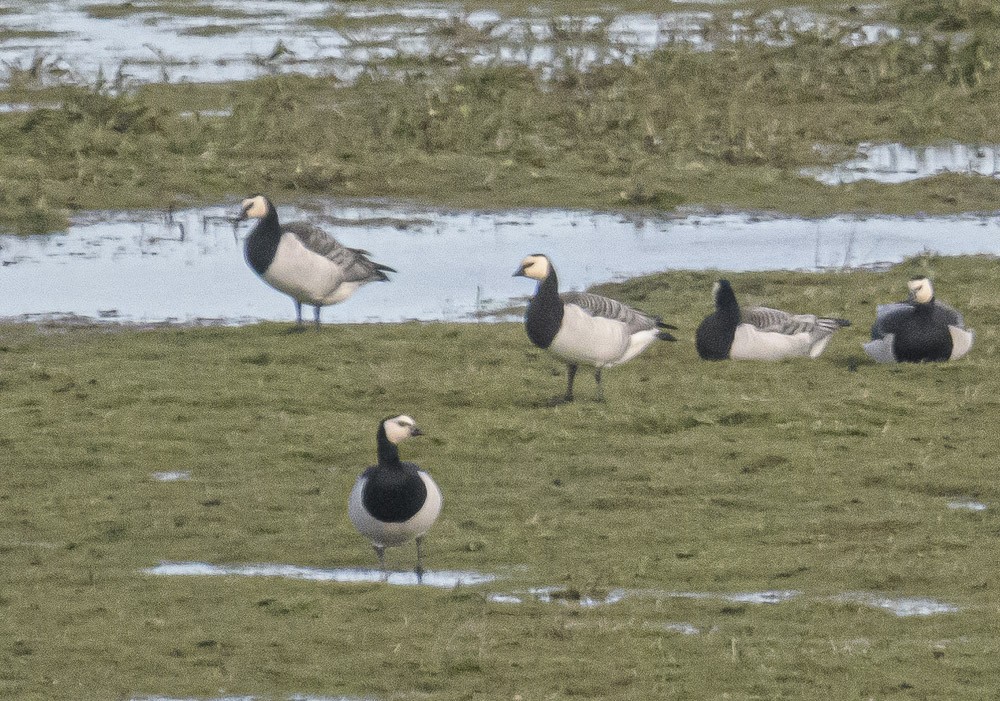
(393,502)
(582,328)
(303,261)
(920,329)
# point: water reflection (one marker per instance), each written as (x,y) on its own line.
(147,267)
(442,579)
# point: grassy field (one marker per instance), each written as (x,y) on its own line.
(824,477)
(730,128)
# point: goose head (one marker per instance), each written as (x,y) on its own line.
(536,266)
(723,295)
(921,290)
(256,207)
(399,428)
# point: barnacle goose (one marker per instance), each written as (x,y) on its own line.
(582,328)
(920,329)
(303,261)
(394,501)
(760,333)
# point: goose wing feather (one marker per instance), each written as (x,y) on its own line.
(777,321)
(354,262)
(948,314)
(596,305)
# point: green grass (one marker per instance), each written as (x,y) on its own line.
(824,476)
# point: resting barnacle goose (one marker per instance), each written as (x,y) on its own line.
(919,329)
(760,333)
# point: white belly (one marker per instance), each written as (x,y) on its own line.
(752,344)
(306,276)
(392,534)
(588,340)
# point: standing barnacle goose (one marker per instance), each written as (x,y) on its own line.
(919,329)
(303,261)
(760,333)
(582,328)
(394,501)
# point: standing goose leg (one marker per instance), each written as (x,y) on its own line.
(600,387)
(570,376)
(420,566)
(380,551)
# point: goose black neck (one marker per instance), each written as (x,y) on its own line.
(545,311)
(262,243)
(715,335)
(725,302)
(388,453)
(924,308)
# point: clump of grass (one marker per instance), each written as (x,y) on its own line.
(112,10)
(951,15)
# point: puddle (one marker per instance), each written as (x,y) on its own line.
(895,163)
(902,607)
(548,595)
(291,697)
(967,506)
(135,267)
(171,476)
(442,579)
(682,628)
(749,597)
(249,38)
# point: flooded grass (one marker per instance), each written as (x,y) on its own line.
(673,125)
(825,477)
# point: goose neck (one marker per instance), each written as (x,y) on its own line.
(388,453)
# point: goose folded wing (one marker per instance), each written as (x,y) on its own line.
(354,262)
(777,321)
(596,305)
(889,317)
(948,314)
